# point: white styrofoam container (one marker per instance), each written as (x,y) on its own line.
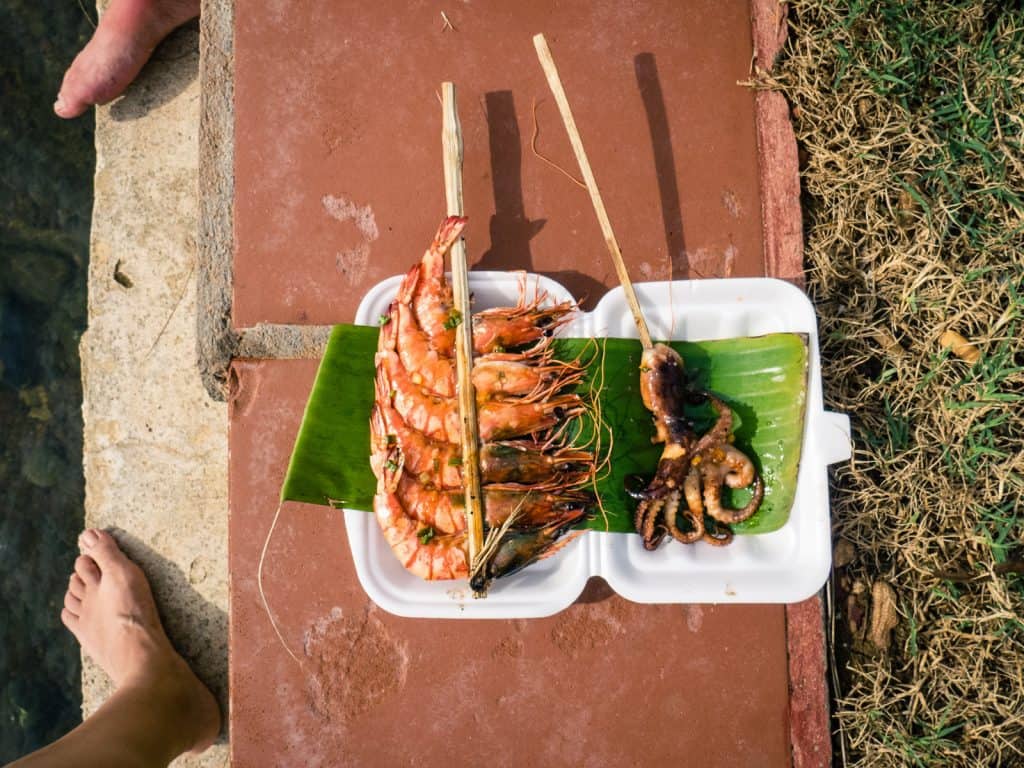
(785,566)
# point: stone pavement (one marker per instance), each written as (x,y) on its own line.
(155,442)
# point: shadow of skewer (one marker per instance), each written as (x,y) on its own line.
(664,163)
(510,230)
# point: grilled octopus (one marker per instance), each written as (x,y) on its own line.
(692,469)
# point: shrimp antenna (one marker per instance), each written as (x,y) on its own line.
(547,63)
(490,546)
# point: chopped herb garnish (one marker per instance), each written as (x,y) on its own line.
(426,534)
(454,319)
(391,439)
(391,465)
(384,319)
(454,461)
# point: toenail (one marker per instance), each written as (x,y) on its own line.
(89,538)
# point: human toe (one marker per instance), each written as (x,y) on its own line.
(88,538)
(124,39)
(101,547)
(69,620)
(76,586)
(87,569)
(72,604)
(85,82)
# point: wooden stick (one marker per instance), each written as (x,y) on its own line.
(555,83)
(451,138)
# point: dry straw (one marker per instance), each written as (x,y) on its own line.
(908,117)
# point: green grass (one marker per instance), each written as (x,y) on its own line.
(909,121)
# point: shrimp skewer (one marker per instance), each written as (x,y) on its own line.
(532,489)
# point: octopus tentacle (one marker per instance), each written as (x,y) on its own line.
(718,535)
(719,433)
(647,522)
(696,519)
(691,467)
(741,469)
(714,475)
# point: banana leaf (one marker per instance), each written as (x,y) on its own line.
(763,379)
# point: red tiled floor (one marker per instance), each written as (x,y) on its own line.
(338,156)
(604,683)
(338,185)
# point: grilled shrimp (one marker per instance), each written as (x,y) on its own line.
(501,328)
(442,509)
(529,463)
(416,545)
(518,548)
(502,419)
(435,416)
(429,461)
(430,294)
(426,367)
(494,377)
(533,508)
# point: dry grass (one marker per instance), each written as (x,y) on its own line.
(909,119)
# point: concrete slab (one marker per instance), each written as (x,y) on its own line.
(604,683)
(155,445)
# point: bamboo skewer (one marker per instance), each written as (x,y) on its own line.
(547,63)
(451,138)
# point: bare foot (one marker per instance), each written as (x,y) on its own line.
(110,610)
(128,32)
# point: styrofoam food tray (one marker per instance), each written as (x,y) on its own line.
(785,566)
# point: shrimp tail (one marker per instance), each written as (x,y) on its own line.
(448,233)
(408,285)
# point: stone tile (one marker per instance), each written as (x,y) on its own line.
(155,445)
(605,683)
(338,158)
(329,203)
